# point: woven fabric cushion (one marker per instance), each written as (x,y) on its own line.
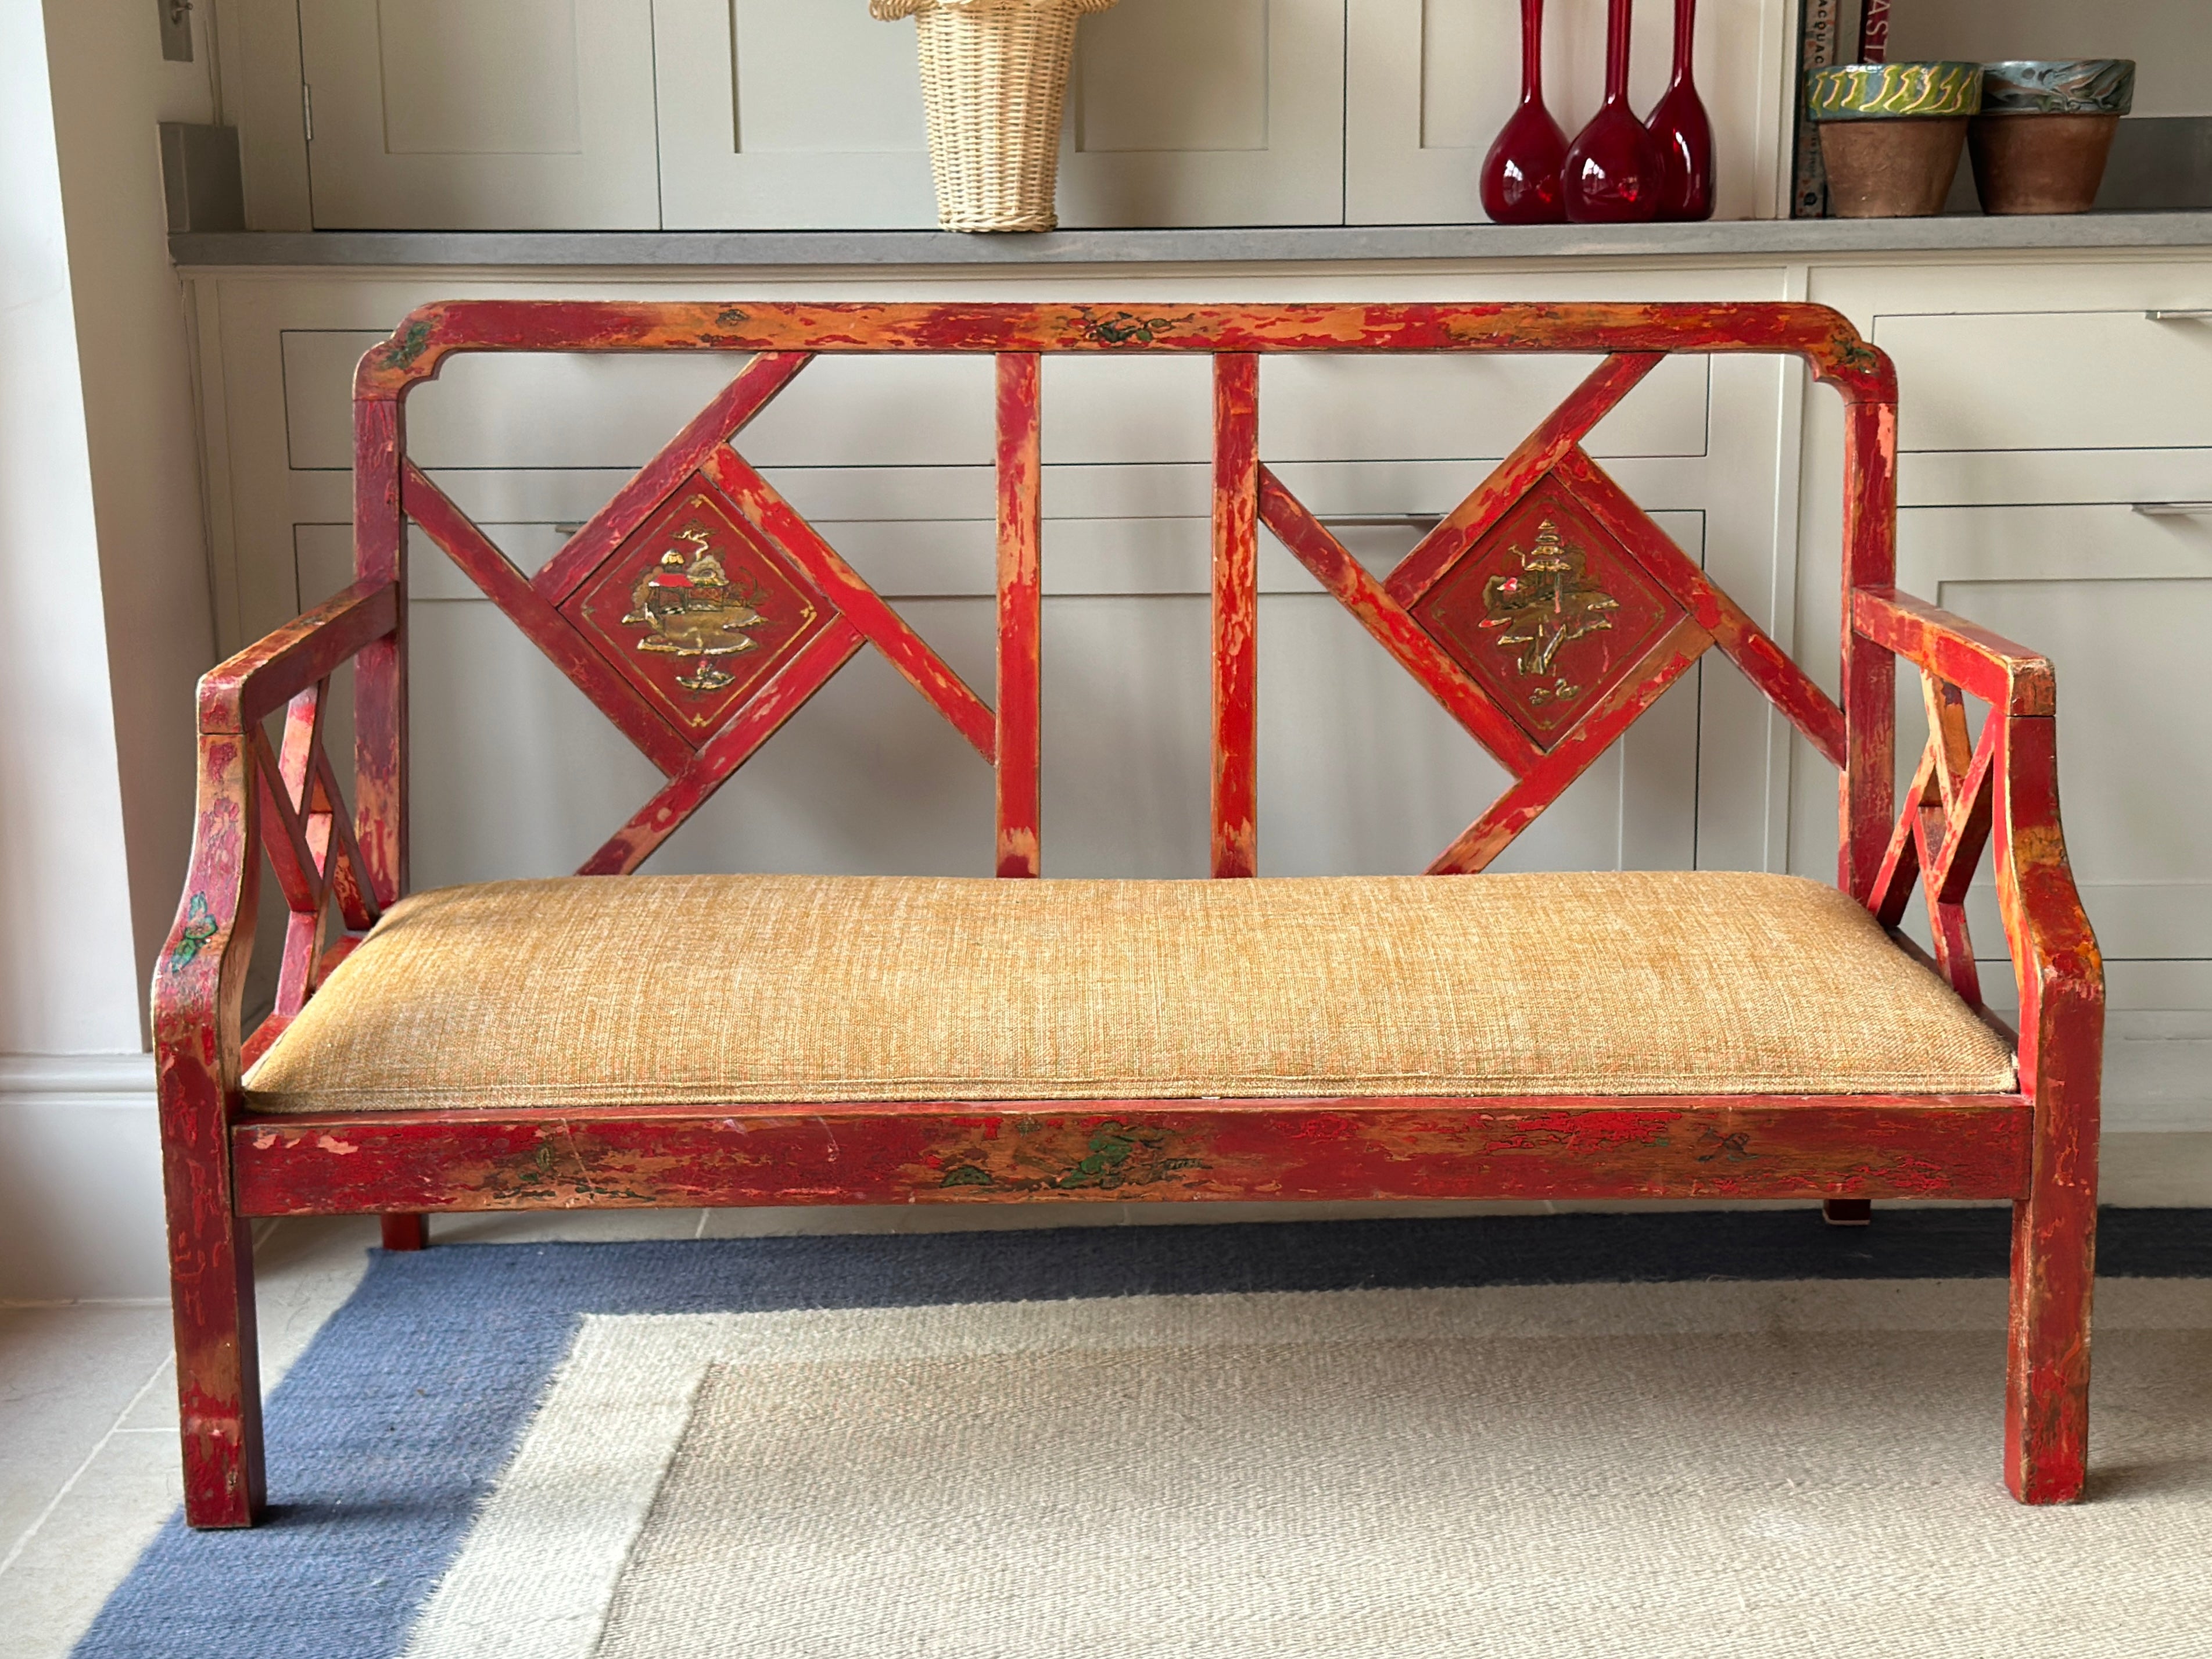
(705,989)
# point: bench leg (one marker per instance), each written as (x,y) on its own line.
(2054,1231)
(218,1370)
(405,1232)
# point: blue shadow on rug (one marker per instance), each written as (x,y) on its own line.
(389,1432)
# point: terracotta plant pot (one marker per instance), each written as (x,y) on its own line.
(1900,168)
(1891,134)
(2045,132)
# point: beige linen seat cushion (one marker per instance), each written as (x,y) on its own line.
(708,989)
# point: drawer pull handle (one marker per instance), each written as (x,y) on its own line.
(2173,510)
(2179,316)
(1380,520)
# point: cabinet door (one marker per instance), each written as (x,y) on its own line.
(777,116)
(1429,83)
(480,114)
(1205,112)
(1179,112)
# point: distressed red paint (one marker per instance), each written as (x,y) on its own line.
(1236,484)
(283,803)
(1016,739)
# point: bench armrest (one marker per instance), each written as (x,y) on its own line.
(236,695)
(1991,667)
(2002,790)
(253,797)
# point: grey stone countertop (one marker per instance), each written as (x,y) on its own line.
(1790,239)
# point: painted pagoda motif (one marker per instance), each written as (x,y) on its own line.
(697,610)
(693,611)
(1550,600)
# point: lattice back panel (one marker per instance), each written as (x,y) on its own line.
(699,610)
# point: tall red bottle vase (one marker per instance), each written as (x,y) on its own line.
(1613,168)
(1521,175)
(1678,121)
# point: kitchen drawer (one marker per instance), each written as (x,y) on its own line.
(2057,477)
(2049,381)
(2092,541)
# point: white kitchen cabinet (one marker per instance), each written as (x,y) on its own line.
(774,115)
(1429,83)
(788,116)
(470,115)
(1207,113)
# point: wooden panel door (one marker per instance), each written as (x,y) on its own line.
(1429,83)
(775,115)
(480,114)
(1983,383)
(781,115)
(1207,113)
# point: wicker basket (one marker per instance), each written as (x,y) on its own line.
(994,82)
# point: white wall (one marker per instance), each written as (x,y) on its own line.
(68,980)
(111,88)
(2171,41)
(104,625)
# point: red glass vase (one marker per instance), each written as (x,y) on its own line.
(1521,175)
(1685,136)
(1612,173)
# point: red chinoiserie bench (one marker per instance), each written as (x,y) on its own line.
(738,1039)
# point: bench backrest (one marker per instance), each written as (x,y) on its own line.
(698,610)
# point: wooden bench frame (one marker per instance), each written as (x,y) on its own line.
(226,1166)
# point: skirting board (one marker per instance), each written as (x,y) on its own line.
(80,1179)
(81,1175)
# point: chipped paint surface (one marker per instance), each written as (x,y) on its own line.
(1854,1146)
(2038,1149)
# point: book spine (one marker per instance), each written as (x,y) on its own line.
(1818,29)
(1874,33)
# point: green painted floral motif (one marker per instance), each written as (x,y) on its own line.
(968,1175)
(199,928)
(401,352)
(1733,1148)
(1120,1156)
(730,316)
(1126,328)
(1857,353)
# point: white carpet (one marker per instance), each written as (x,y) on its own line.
(1725,1468)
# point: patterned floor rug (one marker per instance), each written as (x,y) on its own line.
(1653,1434)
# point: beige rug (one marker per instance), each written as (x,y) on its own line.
(1730,1468)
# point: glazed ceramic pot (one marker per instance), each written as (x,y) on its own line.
(2045,131)
(1891,134)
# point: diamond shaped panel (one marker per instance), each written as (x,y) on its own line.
(696,609)
(1547,611)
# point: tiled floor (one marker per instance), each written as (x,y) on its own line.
(87,1408)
